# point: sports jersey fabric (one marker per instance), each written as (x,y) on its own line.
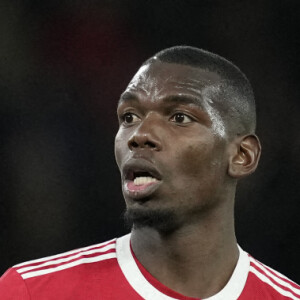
(111,271)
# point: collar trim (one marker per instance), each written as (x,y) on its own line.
(140,284)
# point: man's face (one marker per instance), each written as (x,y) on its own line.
(171,145)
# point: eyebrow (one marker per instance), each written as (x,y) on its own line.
(175,99)
(127,96)
(184,99)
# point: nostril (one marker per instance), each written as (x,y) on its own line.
(134,144)
(143,141)
(150,144)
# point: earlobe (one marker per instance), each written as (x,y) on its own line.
(244,156)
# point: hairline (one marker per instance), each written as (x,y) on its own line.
(224,82)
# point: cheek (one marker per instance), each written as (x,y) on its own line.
(194,159)
(120,146)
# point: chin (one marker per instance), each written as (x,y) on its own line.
(162,220)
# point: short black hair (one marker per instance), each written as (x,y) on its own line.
(234,92)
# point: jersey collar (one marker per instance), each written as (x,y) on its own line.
(139,283)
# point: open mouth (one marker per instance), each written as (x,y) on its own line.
(140,180)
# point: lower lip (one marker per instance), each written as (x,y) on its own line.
(138,192)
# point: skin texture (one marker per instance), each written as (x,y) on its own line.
(186,237)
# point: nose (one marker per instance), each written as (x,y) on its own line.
(146,136)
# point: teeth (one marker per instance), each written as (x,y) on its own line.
(144,180)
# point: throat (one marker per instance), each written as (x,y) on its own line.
(188,265)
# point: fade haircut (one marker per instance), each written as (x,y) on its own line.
(233,94)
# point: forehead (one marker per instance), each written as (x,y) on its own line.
(157,84)
(160,79)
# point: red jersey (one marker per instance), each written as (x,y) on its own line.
(110,271)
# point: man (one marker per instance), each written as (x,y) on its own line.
(186,136)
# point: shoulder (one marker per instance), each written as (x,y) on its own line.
(12,286)
(267,283)
(71,268)
(67,260)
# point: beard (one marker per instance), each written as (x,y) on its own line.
(162,220)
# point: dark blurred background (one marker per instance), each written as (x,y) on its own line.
(63,65)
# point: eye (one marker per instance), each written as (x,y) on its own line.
(181,118)
(129,118)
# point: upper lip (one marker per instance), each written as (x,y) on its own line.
(140,165)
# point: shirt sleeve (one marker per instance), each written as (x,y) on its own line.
(13,287)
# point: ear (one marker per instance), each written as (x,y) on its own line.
(244,156)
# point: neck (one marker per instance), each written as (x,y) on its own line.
(189,260)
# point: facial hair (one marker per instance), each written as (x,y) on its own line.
(162,220)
